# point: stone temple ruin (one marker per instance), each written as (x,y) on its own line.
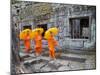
(76,23)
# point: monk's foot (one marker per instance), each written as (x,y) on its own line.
(30,51)
(36,54)
(55,60)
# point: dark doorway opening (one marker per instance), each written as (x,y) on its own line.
(44,26)
(26,27)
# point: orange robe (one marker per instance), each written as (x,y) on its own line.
(27,43)
(38,44)
(51,44)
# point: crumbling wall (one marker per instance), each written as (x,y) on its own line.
(62,15)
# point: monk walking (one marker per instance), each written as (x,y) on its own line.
(51,44)
(27,42)
(38,43)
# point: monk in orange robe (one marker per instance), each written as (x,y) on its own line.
(38,43)
(27,42)
(51,44)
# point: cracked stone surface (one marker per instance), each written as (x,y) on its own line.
(65,62)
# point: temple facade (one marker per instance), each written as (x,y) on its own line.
(76,23)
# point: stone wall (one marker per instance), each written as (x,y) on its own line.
(61,20)
(61,13)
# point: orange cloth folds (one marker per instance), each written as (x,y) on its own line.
(27,43)
(51,44)
(38,43)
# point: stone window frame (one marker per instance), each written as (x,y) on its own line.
(75,16)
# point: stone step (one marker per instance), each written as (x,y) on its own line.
(63,56)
